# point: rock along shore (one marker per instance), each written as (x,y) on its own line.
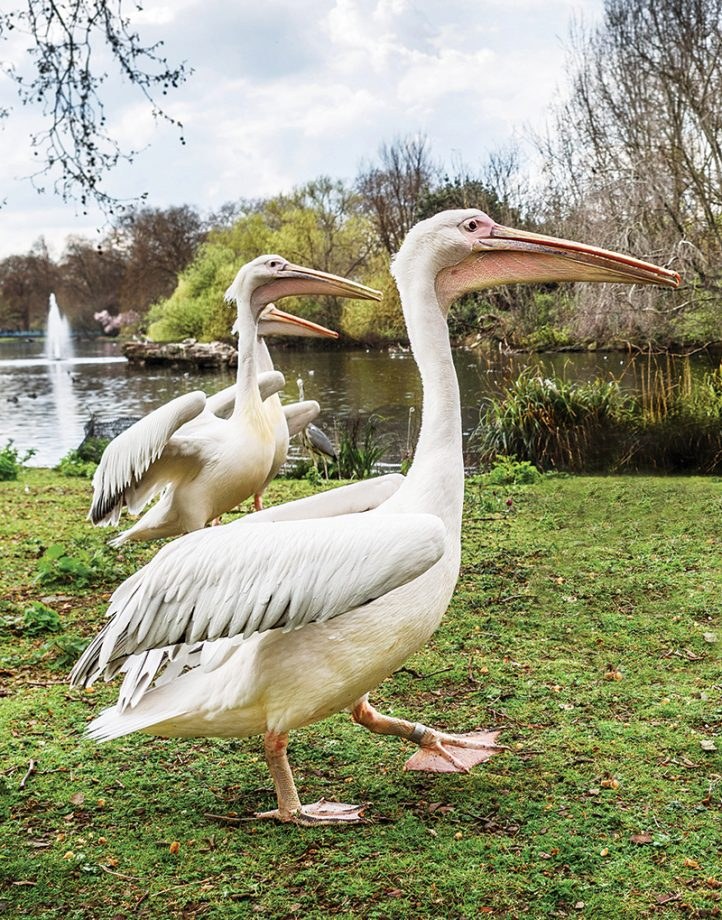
(189,352)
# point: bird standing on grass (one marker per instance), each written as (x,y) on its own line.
(205,464)
(306,607)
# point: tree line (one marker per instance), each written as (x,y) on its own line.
(632,160)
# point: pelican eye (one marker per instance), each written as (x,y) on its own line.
(471,225)
(274,263)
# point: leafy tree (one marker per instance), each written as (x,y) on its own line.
(90,279)
(320,224)
(157,245)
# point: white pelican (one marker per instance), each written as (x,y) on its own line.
(203,463)
(315,604)
(286,420)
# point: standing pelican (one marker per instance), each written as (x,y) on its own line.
(288,420)
(205,464)
(315,603)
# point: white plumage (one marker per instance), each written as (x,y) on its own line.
(303,609)
(206,455)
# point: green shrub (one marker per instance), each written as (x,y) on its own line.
(360,450)
(72,464)
(11,462)
(546,338)
(63,651)
(91,450)
(83,461)
(508,471)
(673,425)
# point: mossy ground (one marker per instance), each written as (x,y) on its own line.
(585,625)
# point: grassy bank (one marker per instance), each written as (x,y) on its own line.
(585,625)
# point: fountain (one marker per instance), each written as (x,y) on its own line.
(57,334)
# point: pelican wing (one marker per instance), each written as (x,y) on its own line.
(238,580)
(352,499)
(129,456)
(222,402)
(147,668)
(299,414)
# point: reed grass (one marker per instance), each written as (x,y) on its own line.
(672,424)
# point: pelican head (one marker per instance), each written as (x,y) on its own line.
(470,251)
(272,277)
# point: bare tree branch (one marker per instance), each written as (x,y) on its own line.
(75,150)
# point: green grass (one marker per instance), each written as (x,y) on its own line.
(582,580)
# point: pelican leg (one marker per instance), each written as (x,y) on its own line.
(216,521)
(258,501)
(438,752)
(290,808)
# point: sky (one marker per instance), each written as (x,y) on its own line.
(283,91)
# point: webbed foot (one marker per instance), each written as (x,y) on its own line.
(442,753)
(319,813)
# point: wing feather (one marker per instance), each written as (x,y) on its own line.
(129,456)
(237,580)
(300,414)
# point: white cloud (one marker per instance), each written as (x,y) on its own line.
(284,91)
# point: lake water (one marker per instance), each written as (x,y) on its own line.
(45,404)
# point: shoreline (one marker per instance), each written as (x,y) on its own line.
(209,355)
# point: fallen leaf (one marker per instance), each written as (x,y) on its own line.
(666,898)
(604,852)
(691,864)
(707,744)
(580,905)
(174,847)
(710,637)
(640,838)
(77,798)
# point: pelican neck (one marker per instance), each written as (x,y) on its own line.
(247,394)
(436,477)
(264,361)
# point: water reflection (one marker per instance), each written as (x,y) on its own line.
(46,404)
(64,403)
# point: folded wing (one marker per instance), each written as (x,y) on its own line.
(238,580)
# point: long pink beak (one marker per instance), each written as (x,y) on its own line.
(510,256)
